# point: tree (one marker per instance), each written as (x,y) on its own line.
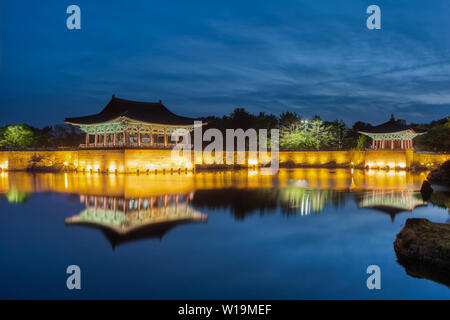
(289,122)
(18,136)
(299,140)
(338,134)
(436,138)
(362,141)
(320,132)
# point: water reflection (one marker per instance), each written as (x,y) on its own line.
(291,200)
(391,202)
(129,208)
(147,185)
(295,191)
(124,220)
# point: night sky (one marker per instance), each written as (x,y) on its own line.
(209,57)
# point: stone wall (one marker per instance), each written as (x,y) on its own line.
(131,160)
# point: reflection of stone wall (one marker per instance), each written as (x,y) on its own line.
(131,160)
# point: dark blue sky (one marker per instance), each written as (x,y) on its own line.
(209,57)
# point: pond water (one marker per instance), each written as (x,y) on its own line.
(302,234)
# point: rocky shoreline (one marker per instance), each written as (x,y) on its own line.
(423,249)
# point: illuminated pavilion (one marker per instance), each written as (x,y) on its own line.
(124,220)
(394,134)
(126,123)
(391,202)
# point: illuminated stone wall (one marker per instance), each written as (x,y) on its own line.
(132,160)
(313,158)
(22,160)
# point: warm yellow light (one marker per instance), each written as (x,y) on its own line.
(88,168)
(252,173)
(252,162)
(66,163)
(66,182)
(96,167)
(391,165)
(402,165)
(370,164)
(4,165)
(380,164)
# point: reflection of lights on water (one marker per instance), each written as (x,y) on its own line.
(4,165)
(301,183)
(252,173)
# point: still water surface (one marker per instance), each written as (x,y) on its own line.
(303,234)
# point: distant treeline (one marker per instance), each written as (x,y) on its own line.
(299,133)
(296,132)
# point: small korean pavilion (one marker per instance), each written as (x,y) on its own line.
(394,134)
(126,123)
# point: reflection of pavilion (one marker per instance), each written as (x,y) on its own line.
(124,220)
(391,202)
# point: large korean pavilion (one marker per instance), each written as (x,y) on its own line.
(126,123)
(394,134)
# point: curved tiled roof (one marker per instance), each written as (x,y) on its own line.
(152,112)
(391,126)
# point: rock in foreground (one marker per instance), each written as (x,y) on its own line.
(440,176)
(423,248)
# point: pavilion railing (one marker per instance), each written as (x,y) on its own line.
(129,144)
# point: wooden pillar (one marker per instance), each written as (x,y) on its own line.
(87,139)
(115,139)
(165,139)
(105,139)
(392,144)
(139,138)
(151,138)
(373,143)
(95,139)
(125,138)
